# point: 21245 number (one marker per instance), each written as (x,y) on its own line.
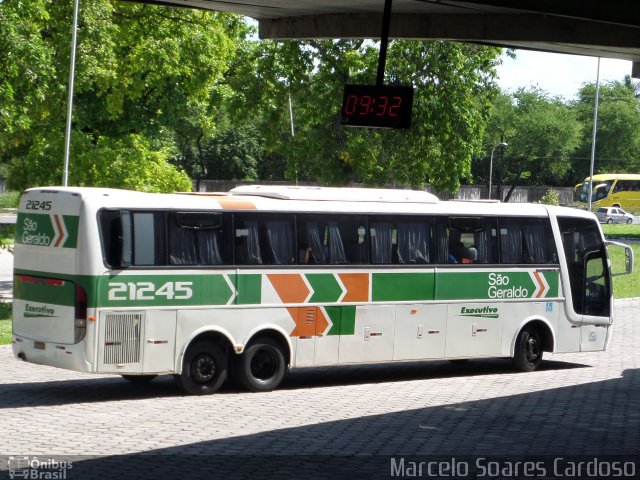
(120,291)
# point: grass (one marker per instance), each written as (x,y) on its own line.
(625,286)
(9,199)
(615,231)
(5,323)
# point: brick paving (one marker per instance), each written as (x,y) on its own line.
(326,422)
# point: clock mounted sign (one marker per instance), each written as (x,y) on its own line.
(379,106)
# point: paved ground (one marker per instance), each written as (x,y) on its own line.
(347,422)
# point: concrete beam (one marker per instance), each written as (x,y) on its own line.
(555,34)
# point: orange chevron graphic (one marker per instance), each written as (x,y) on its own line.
(357,285)
(290,287)
(60,230)
(541,285)
(310,321)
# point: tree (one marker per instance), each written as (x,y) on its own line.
(618,133)
(144,75)
(542,134)
(453,85)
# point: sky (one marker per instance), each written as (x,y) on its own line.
(557,74)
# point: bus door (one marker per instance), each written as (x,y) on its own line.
(589,279)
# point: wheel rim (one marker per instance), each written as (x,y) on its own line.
(263,364)
(203,368)
(532,348)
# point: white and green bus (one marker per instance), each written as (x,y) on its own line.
(248,284)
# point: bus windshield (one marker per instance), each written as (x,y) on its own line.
(600,191)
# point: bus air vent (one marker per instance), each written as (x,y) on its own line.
(122,338)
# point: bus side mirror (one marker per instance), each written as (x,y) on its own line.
(616,258)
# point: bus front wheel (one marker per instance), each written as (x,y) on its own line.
(528,352)
(261,367)
(204,368)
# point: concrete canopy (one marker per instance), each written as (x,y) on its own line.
(584,27)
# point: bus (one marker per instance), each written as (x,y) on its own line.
(620,190)
(244,286)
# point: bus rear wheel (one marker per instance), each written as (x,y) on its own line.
(261,367)
(204,368)
(528,352)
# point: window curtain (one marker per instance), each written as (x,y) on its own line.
(208,247)
(315,242)
(336,248)
(413,243)
(280,242)
(381,247)
(442,243)
(483,242)
(511,243)
(536,238)
(251,245)
(182,246)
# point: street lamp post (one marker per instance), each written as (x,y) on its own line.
(501,144)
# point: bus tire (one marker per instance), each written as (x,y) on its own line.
(139,379)
(528,352)
(204,368)
(261,367)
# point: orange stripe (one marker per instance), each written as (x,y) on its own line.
(357,285)
(60,230)
(290,287)
(232,203)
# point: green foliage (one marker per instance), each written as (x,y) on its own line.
(158,85)
(551,198)
(9,199)
(453,82)
(618,133)
(145,75)
(542,134)
(5,323)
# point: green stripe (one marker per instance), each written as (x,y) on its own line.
(397,287)
(504,285)
(38,289)
(213,289)
(343,320)
(249,288)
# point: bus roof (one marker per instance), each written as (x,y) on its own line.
(294,192)
(603,177)
(298,199)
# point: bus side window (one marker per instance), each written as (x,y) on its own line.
(111,236)
(279,241)
(194,238)
(380,237)
(413,242)
(247,243)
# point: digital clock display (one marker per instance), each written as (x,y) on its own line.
(377,106)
